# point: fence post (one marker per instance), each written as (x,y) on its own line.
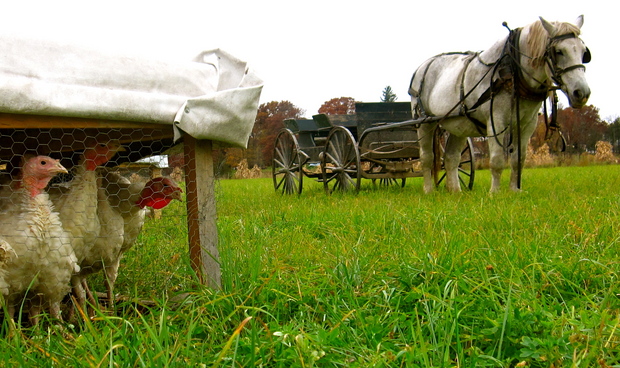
(201,211)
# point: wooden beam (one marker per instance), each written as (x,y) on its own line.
(156,173)
(25,121)
(201,211)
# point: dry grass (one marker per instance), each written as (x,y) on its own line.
(540,157)
(177,174)
(244,172)
(604,152)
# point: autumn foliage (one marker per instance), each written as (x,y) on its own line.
(581,128)
(269,121)
(338,106)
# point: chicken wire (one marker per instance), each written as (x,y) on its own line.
(62,102)
(43,266)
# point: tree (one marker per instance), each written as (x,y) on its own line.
(613,134)
(269,120)
(538,137)
(582,128)
(338,106)
(388,95)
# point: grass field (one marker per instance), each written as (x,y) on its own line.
(386,278)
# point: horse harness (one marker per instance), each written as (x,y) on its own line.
(509,77)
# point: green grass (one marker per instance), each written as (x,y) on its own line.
(386,278)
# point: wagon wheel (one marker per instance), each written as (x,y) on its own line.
(287,163)
(386,182)
(467,168)
(340,162)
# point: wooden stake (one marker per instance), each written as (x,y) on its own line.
(201,211)
(156,173)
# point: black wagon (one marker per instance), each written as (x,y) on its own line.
(379,142)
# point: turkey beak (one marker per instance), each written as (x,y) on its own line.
(58,168)
(117,146)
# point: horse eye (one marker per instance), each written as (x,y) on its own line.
(559,52)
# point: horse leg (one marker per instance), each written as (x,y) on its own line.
(452,160)
(496,162)
(426,133)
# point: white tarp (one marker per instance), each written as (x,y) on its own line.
(214,97)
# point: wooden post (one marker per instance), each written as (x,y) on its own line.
(155,173)
(201,211)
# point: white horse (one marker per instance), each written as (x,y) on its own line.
(497,93)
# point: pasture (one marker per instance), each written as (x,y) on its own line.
(385,278)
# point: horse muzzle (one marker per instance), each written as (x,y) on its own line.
(579,96)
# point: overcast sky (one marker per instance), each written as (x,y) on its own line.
(308,52)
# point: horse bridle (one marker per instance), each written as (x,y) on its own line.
(550,54)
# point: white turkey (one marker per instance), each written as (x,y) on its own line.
(77,205)
(6,255)
(121,210)
(43,260)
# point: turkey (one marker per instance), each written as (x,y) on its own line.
(42,260)
(121,210)
(77,204)
(6,255)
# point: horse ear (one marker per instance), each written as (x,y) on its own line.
(550,28)
(579,21)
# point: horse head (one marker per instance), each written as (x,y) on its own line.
(565,55)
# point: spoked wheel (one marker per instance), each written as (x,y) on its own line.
(388,182)
(385,182)
(340,162)
(467,167)
(287,162)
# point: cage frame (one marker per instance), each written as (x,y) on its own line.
(199,181)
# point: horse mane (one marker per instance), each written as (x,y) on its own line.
(538,39)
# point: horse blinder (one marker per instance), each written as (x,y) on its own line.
(587,56)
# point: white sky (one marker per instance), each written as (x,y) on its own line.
(308,52)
